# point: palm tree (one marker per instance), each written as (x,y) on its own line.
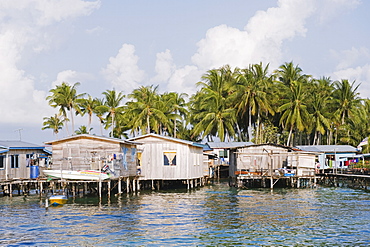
(54,123)
(87,106)
(346,99)
(212,111)
(288,73)
(82,130)
(99,110)
(176,108)
(294,113)
(145,110)
(251,94)
(113,106)
(65,97)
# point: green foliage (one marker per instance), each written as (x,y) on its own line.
(240,104)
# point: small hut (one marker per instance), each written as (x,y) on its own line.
(19,159)
(162,158)
(83,152)
(332,156)
(272,161)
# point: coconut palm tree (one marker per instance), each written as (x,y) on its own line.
(346,99)
(100,110)
(65,97)
(250,94)
(288,73)
(145,110)
(294,113)
(212,111)
(113,106)
(82,130)
(176,108)
(87,106)
(54,123)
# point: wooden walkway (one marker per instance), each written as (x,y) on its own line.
(258,181)
(356,181)
(43,186)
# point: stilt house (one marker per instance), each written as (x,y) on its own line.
(272,160)
(166,158)
(85,152)
(332,156)
(19,159)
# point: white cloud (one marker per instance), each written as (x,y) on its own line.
(164,67)
(360,74)
(70,77)
(261,39)
(183,80)
(123,71)
(327,9)
(351,57)
(95,30)
(22,26)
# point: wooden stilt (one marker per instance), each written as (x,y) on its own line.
(119,186)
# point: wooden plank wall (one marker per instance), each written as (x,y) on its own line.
(22,171)
(189,160)
(82,154)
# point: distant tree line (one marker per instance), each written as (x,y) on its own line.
(286,107)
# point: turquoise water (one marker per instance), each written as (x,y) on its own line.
(209,216)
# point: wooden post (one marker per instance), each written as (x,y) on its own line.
(119,186)
(128,184)
(41,188)
(74,189)
(109,189)
(10,190)
(100,185)
(85,188)
(152,184)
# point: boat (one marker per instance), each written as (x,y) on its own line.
(56,200)
(77,175)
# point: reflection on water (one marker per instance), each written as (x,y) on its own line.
(213,215)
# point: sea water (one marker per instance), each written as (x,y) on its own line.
(214,215)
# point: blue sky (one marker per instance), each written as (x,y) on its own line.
(124,44)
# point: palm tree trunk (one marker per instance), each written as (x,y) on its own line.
(72,121)
(315,139)
(249,125)
(290,135)
(112,124)
(239,132)
(147,124)
(174,129)
(258,138)
(89,123)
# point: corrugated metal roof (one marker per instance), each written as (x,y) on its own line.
(19,145)
(166,138)
(91,137)
(205,147)
(329,148)
(226,145)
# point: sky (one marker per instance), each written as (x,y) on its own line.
(122,45)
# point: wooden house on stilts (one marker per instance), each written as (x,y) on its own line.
(269,165)
(168,162)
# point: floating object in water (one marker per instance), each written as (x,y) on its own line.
(58,200)
(78,175)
